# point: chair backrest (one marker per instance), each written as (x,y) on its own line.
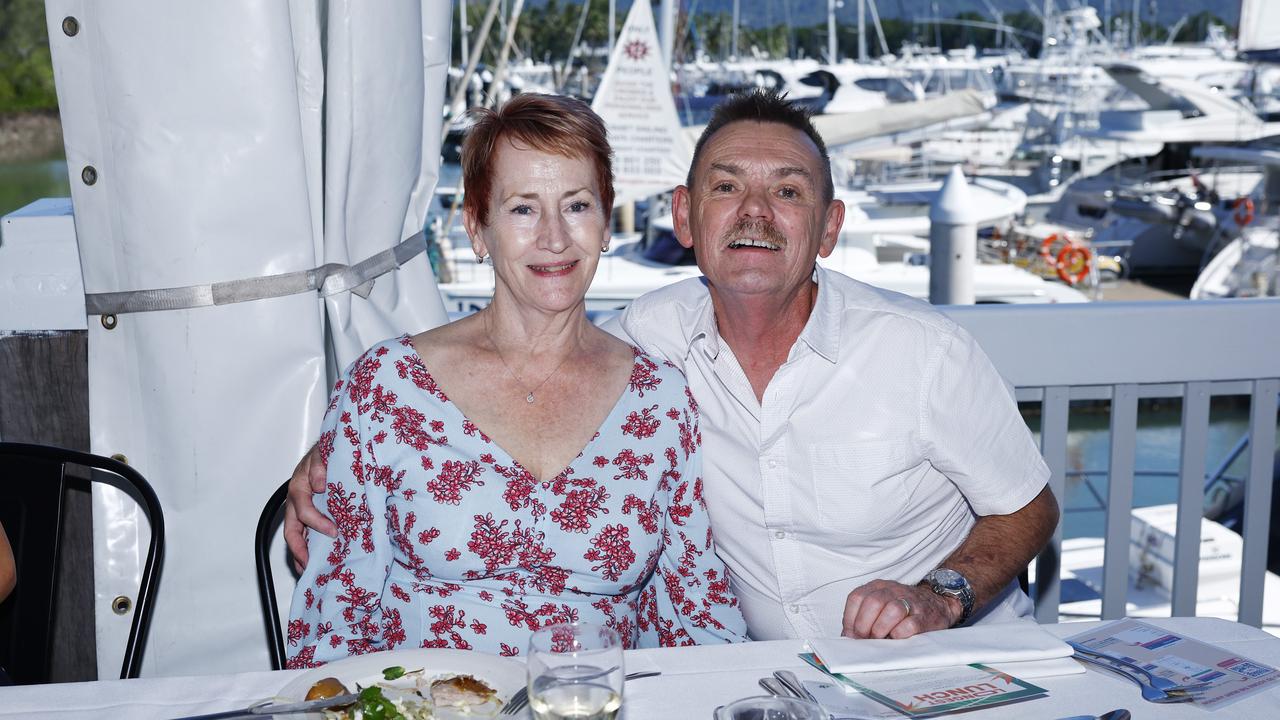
(268,522)
(32,479)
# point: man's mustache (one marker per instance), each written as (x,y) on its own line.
(756,228)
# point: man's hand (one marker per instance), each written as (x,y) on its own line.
(886,609)
(996,550)
(300,511)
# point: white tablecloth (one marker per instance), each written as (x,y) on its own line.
(693,682)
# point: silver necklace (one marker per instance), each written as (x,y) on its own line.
(527,398)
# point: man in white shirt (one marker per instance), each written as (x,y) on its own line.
(866,469)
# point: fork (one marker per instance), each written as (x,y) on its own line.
(1157,681)
(1150,693)
(521,697)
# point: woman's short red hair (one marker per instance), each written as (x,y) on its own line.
(549,123)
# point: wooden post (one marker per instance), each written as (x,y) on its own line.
(44,398)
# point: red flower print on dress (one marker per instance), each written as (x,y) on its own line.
(579,508)
(304,659)
(298,630)
(611,547)
(642,424)
(392,628)
(679,511)
(643,378)
(408,425)
(325,444)
(492,542)
(631,466)
(400,593)
(454,479)
(646,512)
(520,488)
(470,430)
(412,369)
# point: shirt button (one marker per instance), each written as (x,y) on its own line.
(773,463)
(795,608)
(779,534)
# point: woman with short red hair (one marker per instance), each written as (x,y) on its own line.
(518,467)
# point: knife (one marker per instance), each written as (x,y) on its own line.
(792,683)
(267,708)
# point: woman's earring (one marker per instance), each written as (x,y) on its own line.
(479,258)
(604,247)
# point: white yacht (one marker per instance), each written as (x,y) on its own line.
(1248,264)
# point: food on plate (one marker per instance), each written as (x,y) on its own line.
(464,692)
(402,695)
(326,688)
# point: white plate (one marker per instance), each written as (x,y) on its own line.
(502,674)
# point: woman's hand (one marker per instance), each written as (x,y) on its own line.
(300,513)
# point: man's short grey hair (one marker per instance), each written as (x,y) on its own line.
(765,106)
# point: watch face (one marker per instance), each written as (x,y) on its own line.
(949,579)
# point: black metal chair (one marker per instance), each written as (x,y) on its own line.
(32,480)
(270,519)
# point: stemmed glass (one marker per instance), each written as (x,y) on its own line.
(575,672)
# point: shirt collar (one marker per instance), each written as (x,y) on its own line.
(821,333)
(704,325)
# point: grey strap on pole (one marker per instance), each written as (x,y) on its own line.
(328,279)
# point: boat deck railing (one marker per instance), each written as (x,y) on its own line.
(1125,352)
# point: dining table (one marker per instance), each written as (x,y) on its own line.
(693,682)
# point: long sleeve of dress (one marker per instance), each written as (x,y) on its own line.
(337,605)
(687,600)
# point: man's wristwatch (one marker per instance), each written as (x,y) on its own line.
(949,583)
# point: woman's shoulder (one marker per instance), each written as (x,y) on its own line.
(384,351)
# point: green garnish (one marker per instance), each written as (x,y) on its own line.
(394,672)
(375,706)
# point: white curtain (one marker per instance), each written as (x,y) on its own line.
(231,140)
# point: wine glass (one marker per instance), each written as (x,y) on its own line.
(575,672)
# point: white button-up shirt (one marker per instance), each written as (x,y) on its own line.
(877,443)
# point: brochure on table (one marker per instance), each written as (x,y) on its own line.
(1183,660)
(934,691)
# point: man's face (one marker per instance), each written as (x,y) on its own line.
(755,215)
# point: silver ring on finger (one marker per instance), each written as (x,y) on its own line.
(906,605)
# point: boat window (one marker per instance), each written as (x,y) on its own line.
(873,84)
(663,248)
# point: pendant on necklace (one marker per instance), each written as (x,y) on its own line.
(529,398)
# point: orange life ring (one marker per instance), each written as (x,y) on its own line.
(1073,263)
(1243,211)
(1046,249)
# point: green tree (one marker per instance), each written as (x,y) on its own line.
(26,69)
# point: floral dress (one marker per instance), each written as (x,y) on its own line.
(444,540)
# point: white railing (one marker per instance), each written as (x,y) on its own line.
(1123,352)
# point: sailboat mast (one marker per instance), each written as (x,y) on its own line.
(831,31)
(667,29)
(733,44)
(462,30)
(862,31)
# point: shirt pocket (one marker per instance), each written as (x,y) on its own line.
(858,487)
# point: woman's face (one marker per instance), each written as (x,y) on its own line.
(546,227)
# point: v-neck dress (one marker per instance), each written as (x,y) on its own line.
(444,540)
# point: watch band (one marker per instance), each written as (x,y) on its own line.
(949,583)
